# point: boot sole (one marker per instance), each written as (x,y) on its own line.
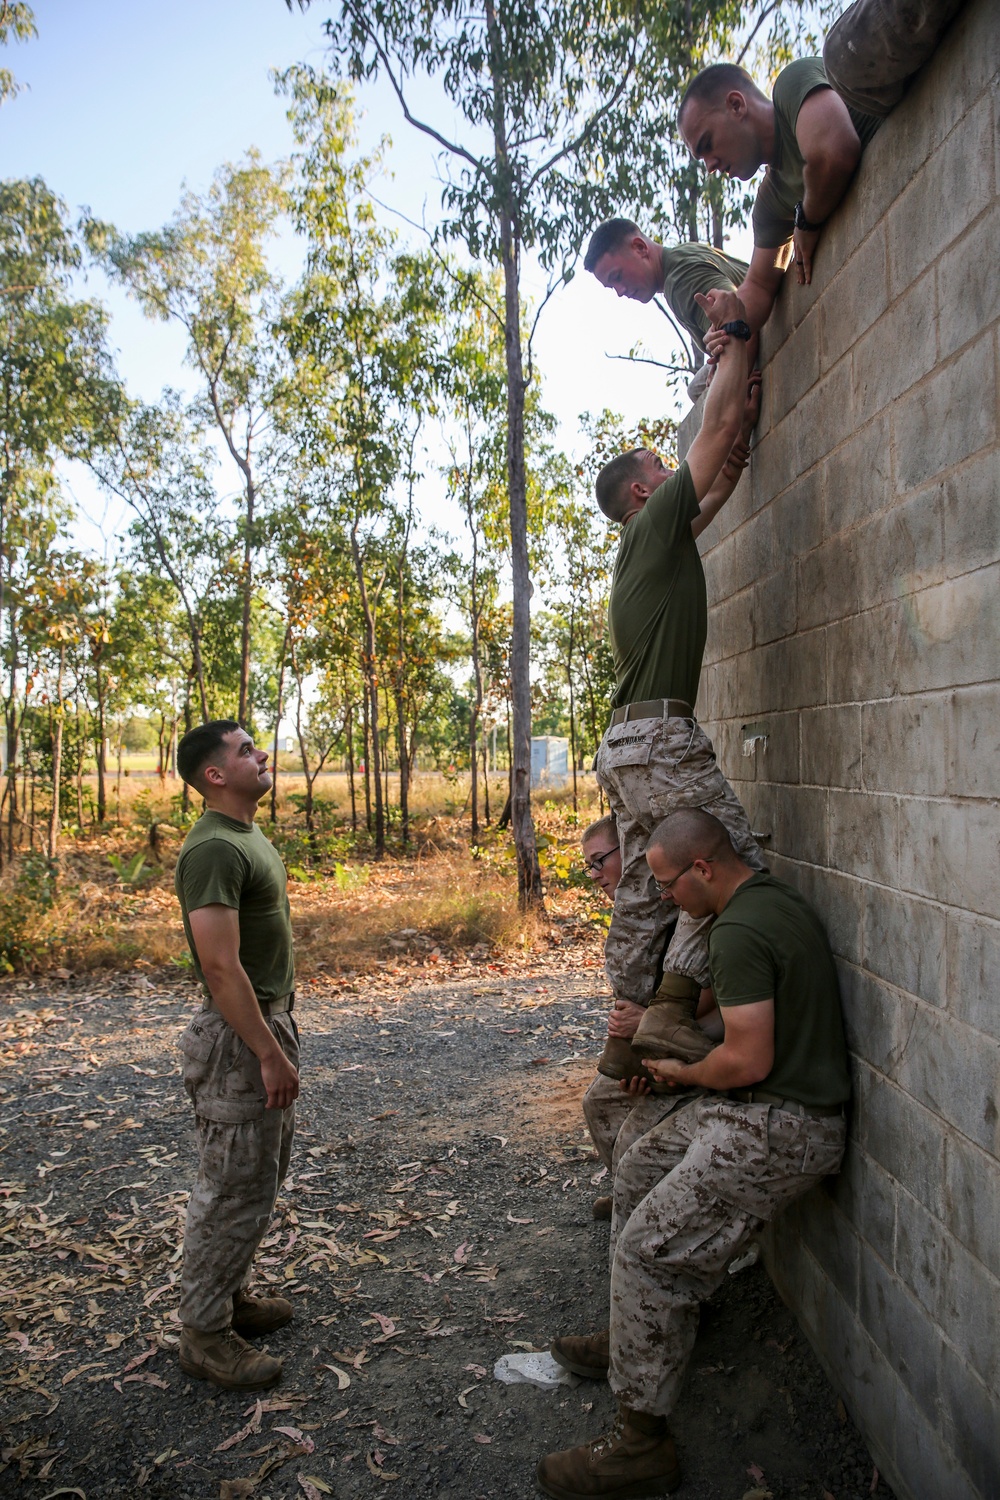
(253,1331)
(227,1385)
(660,1050)
(637,1491)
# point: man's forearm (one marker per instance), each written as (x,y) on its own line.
(824,183)
(724,1068)
(724,402)
(234,996)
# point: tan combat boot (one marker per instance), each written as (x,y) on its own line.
(603,1208)
(637,1457)
(255,1316)
(226,1360)
(618,1060)
(588,1356)
(669,1029)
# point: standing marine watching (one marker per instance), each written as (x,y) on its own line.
(241,1056)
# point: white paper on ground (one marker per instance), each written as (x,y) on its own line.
(540,1370)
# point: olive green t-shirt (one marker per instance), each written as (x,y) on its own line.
(224,862)
(696,267)
(769,944)
(658,612)
(783,187)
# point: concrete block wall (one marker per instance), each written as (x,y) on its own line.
(854,586)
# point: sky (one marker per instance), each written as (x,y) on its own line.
(126,103)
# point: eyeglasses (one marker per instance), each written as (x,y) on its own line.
(595,866)
(665,887)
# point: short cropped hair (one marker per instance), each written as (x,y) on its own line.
(712,84)
(604,828)
(690,834)
(200,745)
(607,237)
(612,483)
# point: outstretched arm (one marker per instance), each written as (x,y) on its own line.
(739,457)
(724,403)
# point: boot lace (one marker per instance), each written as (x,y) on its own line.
(602,1445)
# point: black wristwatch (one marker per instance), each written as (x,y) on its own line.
(801,222)
(738,329)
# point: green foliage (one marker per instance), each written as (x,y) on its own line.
(132,872)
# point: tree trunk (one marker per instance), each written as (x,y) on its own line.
(246,583)
(529,877)
(370,670)
(57,750)
(350,760)
(277,725)
(102,792)
(572,700)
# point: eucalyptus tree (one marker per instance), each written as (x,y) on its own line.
(208,271)
(360,330)
(17,24)
(160,466)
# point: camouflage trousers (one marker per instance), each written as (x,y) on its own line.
(616,1119)
(243,1154)
(874,46)
(689,1194)
(650,768)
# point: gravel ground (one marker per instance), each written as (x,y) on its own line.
(437,1216)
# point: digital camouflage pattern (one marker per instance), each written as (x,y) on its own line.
(688,1195)
(243,1152)
(650,768)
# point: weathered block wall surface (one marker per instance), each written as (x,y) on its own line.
(855,585)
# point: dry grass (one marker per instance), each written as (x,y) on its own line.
(351,914)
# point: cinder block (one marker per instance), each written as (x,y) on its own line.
(778,759)
(898,351)
(795,367)
(971,1202)
(774,463)
(831,746)
(970,1312)
(972,516)
(864,836)
(785,675)
(902,550)
(947,195)
(717,690)
(831,1240)
(798,520)
(730,627)
(968,287)
(858,476)
(974,972)
(949,632)
(903,745)
(837,898)
(926,1465)
(954,1071)
(901,1136)
(740,559)
(905,941)
(875,1018)
(949,851)
(827,582)
(973,741)
(923,1253)
(858,294)
(774,608)
(866,1196)
(799,828)
(902,1329)
(945,418)
(970,1423)
(821,416)
(861,655)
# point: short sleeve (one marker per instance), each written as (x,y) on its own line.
(742,965)
(212,873)
(672,507)
(772,228)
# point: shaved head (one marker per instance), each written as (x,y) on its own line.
(689,835)
(604,829)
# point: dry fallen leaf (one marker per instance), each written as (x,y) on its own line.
(252,1426)
(313,1488)
(374,1469)
(235,1489)
(343,1379)
(480,1437)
